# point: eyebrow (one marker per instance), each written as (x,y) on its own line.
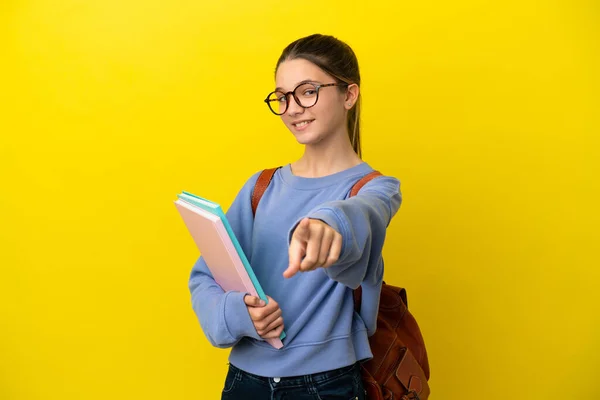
(299,83)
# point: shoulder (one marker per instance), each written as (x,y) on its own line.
(383,181)
(256,184)
(374,180)
(252,179)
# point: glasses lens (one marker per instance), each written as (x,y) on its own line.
(307,94)
(277,102)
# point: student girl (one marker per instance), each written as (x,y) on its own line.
(309,244)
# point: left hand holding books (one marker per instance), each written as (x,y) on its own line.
(266,318)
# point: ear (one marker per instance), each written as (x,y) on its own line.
(352,92)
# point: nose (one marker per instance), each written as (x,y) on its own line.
(293,108)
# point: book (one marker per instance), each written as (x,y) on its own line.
(218,245)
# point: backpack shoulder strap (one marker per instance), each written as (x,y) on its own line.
(363,181)
(261,186)
(357,293)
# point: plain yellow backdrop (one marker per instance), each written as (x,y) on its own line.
(486,111)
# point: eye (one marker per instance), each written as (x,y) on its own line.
(309,92)
(278,97)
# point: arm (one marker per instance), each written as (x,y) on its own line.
(362,222)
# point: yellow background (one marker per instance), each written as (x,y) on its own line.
(487,113)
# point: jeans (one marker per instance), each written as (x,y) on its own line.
(339,384)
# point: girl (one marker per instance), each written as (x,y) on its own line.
(309,243)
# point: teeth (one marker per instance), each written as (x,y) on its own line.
(303,123)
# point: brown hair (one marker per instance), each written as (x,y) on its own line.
(338,60)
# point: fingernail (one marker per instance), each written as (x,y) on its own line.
(262,303)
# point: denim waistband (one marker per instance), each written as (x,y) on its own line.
(302,379)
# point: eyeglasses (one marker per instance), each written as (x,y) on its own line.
(306,95)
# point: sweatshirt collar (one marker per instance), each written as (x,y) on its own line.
(299,182)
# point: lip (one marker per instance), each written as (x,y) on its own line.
(301,128)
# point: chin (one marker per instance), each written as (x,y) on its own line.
(307,137)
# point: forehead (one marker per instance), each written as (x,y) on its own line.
(292,72)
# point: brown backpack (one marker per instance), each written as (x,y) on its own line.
(399,368)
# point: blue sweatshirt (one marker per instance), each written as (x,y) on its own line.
(323,330)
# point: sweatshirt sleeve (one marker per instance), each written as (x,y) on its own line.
(362,221)
(223,316)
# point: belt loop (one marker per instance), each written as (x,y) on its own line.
(310,384)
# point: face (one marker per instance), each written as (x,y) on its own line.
(319,122)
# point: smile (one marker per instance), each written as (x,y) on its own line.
(303,124)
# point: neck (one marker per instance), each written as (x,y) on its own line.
(326,158)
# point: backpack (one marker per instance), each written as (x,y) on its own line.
(399,368)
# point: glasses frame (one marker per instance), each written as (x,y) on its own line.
(317,86)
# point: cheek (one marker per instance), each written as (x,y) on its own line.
(287,122)
(332,116)
(330,111)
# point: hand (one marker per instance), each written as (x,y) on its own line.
(314,244)
(267,319)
